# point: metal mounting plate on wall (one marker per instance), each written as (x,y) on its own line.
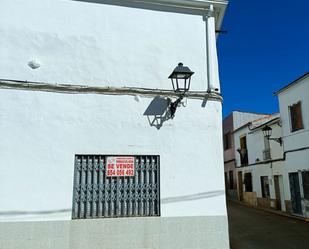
(96,195)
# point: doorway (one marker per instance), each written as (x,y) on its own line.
(277,192)
(240,187)
(295,193)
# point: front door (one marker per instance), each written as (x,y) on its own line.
(295,193)
(277,192)
(240,187)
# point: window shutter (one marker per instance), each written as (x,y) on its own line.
(299,120)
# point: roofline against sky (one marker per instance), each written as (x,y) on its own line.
(195,5)
(291,84)
(256,113)
(271,121)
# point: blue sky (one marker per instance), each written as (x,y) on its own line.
(267,47)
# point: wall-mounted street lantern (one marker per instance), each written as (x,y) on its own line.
(181,80)
(267,131)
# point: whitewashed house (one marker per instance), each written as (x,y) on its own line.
(231,124)
(294,111)
(259,163)
(87,129)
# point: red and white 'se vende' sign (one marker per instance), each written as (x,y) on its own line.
(120,166)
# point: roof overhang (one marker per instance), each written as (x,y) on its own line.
(276,120)
(292,83)
(196,6)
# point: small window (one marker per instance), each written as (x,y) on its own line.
(248,182)
(305,176)
(227,141)
(265,187)
(296,117)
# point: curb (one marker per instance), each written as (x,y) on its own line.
(270,211)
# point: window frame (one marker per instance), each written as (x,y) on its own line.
(244,161)
(247,186)
(291,110)
(265,186)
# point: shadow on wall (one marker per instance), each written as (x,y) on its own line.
(158,112)
(192,197)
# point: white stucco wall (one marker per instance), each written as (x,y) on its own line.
(102,45)
(267,169)
(41,133)
(80,42)
(95,44)
(255,144)
(294,94)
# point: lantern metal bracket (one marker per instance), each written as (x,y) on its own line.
(174,105)
(267,133)
(277,139)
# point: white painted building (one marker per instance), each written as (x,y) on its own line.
(231,124)
(294,111)
(85,80)
(259,163)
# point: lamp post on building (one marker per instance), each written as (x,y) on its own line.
(267,131)
(181,80)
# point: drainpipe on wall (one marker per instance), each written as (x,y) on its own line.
(213,83)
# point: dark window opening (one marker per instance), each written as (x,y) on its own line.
(227,141)
(296,117)
(265,187)
(243,151)
(248,182)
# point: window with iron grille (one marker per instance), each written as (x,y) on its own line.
(296,117)
(102,192)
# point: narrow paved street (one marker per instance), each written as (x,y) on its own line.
(255,229)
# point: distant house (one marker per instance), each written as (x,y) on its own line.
(258,163)
(232,123)
(294,112)
(274,173)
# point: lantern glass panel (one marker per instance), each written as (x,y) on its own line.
(181,78)
(267,131)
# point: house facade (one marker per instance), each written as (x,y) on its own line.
(231,124)
(274,173)
(90,153)
(294,111)
(259,164)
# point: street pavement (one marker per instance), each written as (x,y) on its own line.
(251,228)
